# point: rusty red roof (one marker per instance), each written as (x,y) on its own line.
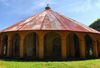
(49,20)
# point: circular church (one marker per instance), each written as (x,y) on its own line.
(49,35)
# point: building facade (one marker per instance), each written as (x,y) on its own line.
(49,35)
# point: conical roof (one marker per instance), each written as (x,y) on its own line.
(49,20)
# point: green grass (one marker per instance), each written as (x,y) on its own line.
(94,63)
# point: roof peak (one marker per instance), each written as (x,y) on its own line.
(47,8)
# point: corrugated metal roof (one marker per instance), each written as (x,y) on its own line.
(49,20)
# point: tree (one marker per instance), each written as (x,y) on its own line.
(96,24)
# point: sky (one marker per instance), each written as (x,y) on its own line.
(14,11)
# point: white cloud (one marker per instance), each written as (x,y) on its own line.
(84,6)
(74,6)
(80,6)
(97,4)
(42,4)
(24,7)
(36,5)
(5,2)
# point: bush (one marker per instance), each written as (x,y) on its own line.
(96,24)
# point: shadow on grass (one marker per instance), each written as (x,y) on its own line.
(45,60)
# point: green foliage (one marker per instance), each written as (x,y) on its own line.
(96,24)
(91,52)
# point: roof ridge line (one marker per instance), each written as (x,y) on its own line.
(66,18)
(43,22)
(72,21)
(30,20)
(78,23)
(19,22)
(58,19)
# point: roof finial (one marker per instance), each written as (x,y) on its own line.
(47,8)
(47,5)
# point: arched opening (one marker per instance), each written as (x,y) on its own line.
(88,46)
(0,43)
(98,48)
(72,42)
(5,45)
(76,42)
(52,46)
(16,45)
(31,45)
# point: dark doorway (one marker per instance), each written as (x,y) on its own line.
(76,43)
(88,46)
(5,45)
(72,43)
(16,45)
(57,47)
(52,46)
(31,45)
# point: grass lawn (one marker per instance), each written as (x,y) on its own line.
(93,63)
